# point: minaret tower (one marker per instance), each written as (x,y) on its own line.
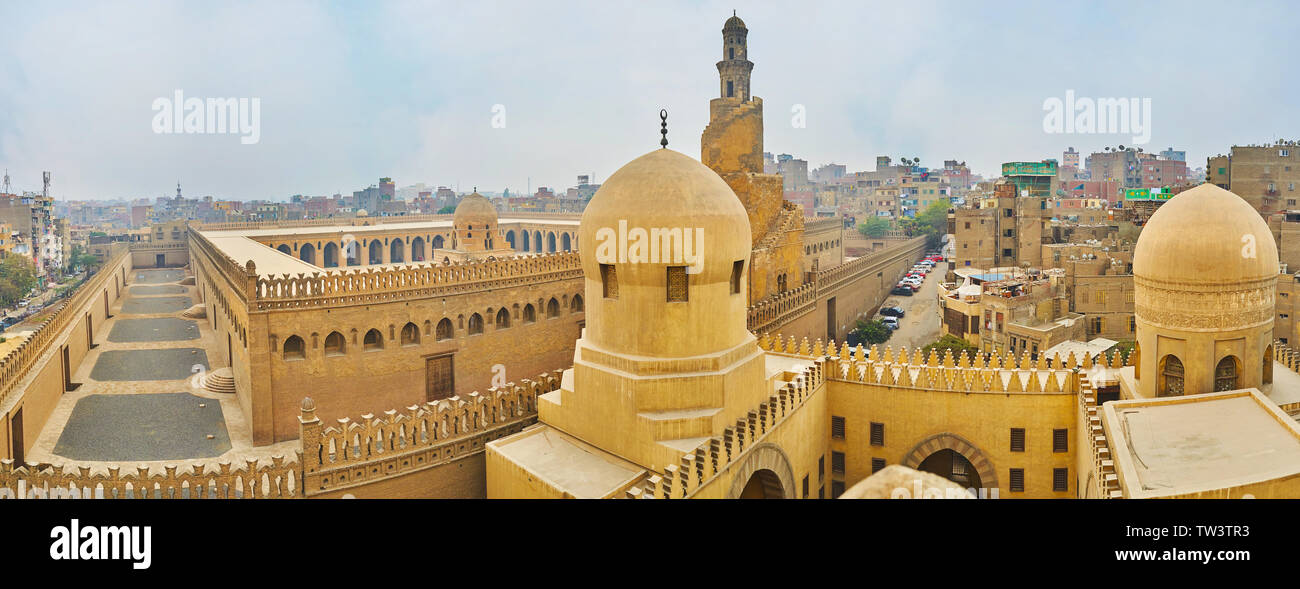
(735,67)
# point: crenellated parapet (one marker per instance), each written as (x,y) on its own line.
(277,478)
(712,457)
(371,448)
(359,285)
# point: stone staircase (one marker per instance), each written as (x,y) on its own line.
(221,380)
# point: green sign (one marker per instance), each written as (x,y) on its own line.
(1147,194)
(1029,169)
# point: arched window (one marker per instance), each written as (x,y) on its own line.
(294,348)
(331,252)
(1171,377)
(376,252)
(374,340)
(1225,374)
(552,309)
(565,243)
(1268,365)
(334,344)
(530,315)
(503,318)
(397,251)
(410,335)
(437,241)
(525,236)
(307,253)
(285,248)
(444,329)
(576,304)
(475,324)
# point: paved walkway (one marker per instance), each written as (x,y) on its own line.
(139,400)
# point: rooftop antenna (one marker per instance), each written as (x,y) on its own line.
(45,184)
(663,130)
(8,190)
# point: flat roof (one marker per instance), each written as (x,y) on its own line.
(269,261)
(1183,445)
(567,463)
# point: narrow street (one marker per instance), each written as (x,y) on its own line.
(920,323)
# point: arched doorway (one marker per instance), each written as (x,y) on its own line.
(978,466)
(397,251)
(376,252)
(525,236)
(307,253)
(1268,365)
(331,254)
(537,242)
(285,248)
(510,239)
(417,249)
(550,243)
(763,484)
(353,251)
(437,242)
(566,243)
(952,466)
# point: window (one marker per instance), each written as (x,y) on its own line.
(294,348)
(737,275)
(877,434)
(1017,480)
(374,341)
(443,332)
(475,324)
(334,344)
(575,305)
(1060,479)
(677,284)
(1060,440)
(552,309)
(837,489)
(1172,376)
(730,89)
(1017,439)
(821,469)
(837,462)
(877,465)
(837,427)
(410,335)
(608,281)
(1225,374)
(805,486)
(503,318)
(530,315)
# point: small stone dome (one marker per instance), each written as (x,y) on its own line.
(734,23)
(1205,235)
(362,213)
(475,209)
(654,199)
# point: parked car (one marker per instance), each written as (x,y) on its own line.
(892,311)
(22,303)
(890,322)
(901,289)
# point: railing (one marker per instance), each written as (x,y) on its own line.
(15,365)
(397,443)
(253,480)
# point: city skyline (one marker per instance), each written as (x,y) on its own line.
(353,92)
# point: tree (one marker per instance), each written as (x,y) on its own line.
(870,333)
(874,227)
(17,278)
(1124,347)
(447,210)
(951,342)
(932,223)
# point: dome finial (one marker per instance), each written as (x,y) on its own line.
(663,117)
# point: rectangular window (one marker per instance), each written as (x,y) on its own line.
(1017,439)
(1017,480)
(1060,480)
(821,470)
(837,462)
(737,274)
(837,427)
(608,281)
(1060,440)
(837,489)
(877,434)
(677,284)
(805,486)
(877,465)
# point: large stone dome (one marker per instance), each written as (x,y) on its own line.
(655,199)
(475,209)
(1206,235)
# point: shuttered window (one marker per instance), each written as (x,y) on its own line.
(877,464)
(1017,480)
(877,434)
(677,290)
(837,427)
(1060,482)
(837,462)
(1017,439)
(1060,440)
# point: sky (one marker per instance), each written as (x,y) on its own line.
(522,94)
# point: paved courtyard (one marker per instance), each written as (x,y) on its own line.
(161,426)
(162,329)
(137,403)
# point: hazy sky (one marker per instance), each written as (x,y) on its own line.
(350,92)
